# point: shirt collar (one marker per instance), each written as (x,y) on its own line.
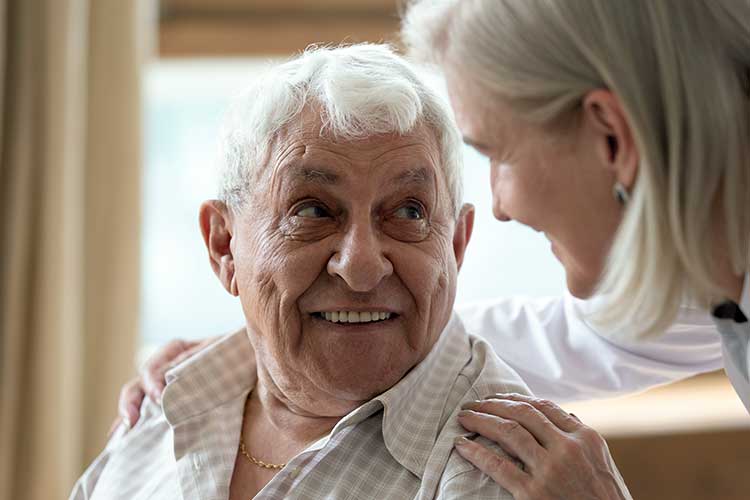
(216,375)
(411,421)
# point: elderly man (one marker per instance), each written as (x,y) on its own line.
(340,228)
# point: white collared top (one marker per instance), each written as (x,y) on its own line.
(562,357)
(397,445)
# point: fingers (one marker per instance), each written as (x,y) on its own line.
(509,434)
(160,363)
(129,403)
(153,382)
(533,420)
(501,469)
(562,419)
(574,462)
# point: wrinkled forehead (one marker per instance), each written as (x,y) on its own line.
(311,125)
(304,151)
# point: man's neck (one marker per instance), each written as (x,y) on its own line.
(286,421)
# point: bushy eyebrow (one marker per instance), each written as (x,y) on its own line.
(419,176)
(315,175)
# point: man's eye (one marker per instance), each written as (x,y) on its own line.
(313,212)
(411,211)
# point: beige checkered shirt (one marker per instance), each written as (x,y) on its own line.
(398,445)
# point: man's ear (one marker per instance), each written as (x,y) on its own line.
(614,141)
(462,233)
(216,227)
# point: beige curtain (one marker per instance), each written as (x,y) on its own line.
(69,232)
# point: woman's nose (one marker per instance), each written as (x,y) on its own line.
(500,215)
(495,185)
(359,260)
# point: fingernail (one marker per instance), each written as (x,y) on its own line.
(464,413)
(460,441)
(471,405)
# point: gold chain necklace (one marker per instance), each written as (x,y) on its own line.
(257,462)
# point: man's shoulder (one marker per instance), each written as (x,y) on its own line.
(482,373)
(131,451)
(487,372)
(151,424)
(462,480)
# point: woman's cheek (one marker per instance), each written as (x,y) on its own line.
(530,198)
(508,193)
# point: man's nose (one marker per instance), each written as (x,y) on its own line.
(359,259)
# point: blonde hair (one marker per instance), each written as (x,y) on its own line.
(680,70)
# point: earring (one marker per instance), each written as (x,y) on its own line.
(620,193)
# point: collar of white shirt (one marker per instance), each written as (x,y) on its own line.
(224,372)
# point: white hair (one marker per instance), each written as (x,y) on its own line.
(359,90)
(680,70)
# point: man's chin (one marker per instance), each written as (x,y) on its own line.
(364,383)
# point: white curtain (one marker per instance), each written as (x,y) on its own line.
(70,151)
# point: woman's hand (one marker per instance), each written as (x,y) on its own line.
(151,380)
(562,458)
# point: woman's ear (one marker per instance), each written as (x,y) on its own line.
(216,227)
(615,142)
(462,233)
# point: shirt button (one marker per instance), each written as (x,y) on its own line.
(294,473)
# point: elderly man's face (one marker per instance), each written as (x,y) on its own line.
(345,260)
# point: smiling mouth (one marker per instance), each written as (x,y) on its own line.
(354,316)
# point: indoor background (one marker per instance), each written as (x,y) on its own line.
(110,116)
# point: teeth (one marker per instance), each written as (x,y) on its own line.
(354,316)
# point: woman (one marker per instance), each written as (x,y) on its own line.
(620,130)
